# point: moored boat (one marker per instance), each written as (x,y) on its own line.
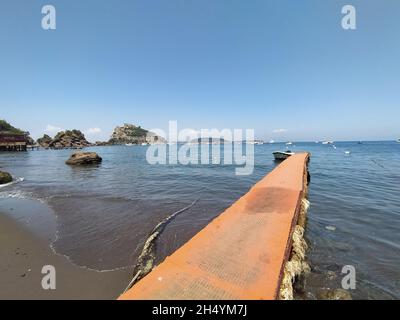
(282,155)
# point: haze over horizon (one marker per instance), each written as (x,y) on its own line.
(285,69)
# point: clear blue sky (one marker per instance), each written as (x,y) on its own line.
(259,64)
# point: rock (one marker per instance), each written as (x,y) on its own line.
(331,275)
(335,294)
(101,143)
(81,158)
(5,177)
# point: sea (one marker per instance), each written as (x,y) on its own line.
(103,214)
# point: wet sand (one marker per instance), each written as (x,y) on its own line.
(23,253)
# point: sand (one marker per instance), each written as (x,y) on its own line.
(23,253)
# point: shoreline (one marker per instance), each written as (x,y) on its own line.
(24,252)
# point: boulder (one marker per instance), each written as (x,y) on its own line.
(5,177)
(81,158)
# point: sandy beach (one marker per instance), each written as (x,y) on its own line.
(23,253)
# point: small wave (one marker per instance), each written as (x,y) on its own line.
(16,193)
(12,182)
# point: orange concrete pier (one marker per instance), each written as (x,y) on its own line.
(242,253)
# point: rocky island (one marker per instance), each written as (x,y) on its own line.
(65,139)
(129,133)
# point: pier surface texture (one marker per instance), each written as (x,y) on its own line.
(242,253)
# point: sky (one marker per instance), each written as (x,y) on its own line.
(285,68)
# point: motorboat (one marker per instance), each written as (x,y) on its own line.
(282,155)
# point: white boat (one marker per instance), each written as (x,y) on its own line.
(144,144)
(327,142)
(282,155)
(129,144)
(271,141)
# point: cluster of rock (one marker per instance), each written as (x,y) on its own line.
(74,139)
(129,133)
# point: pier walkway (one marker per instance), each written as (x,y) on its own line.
(241,254)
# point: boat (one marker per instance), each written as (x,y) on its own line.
(129,144)
(282,155)
(289,143)
(144,144)
(327,142)
(271,141)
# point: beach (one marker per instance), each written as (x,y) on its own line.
(23,255)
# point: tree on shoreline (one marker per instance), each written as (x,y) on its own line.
(7,128)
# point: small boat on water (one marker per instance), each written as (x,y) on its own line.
(144,144)
(271,141)
(129,144)
(289,143)
(282,155)
(327,142)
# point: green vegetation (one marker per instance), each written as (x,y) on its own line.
(45,139)
(69,133)
(5,127)
(137,132)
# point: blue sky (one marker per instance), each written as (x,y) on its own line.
(285,68)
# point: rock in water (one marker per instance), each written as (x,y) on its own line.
(5,177)
(79,158)
(336,294)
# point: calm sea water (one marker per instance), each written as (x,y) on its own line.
(105,213)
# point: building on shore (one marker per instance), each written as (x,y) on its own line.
(13,142)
